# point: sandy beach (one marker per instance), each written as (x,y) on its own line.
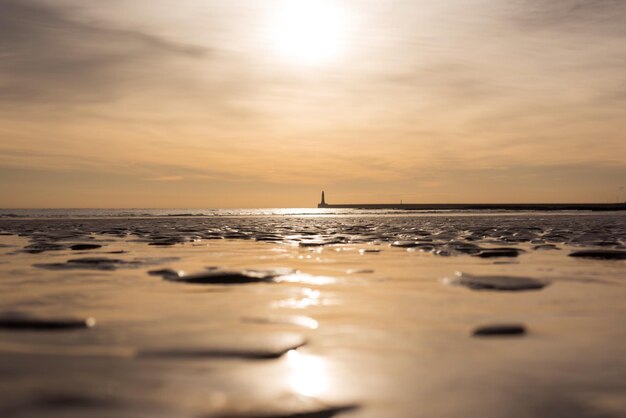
(313,316)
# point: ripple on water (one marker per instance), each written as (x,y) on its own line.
(295,320)
(41,247)
(104,263)
(47,235)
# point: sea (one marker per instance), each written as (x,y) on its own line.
(149,213)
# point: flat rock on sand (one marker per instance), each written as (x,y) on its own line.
(328,412)
(498,283)
(499,252)
(370,251)
(223,276)
(83,247)
(25,322)
(412,244)
(600,254)
(499,330)
(546,247)
(286,405)
(251,347)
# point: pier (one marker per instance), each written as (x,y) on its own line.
(477,206)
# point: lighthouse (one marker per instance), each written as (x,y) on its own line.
(322,204)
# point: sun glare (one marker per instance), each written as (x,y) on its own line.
(309,31)
(309,374)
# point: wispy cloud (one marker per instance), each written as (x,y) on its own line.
(50,56)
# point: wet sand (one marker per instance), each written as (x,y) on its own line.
(356,316)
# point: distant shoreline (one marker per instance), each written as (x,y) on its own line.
(480,206)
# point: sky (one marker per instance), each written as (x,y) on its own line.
(265,103)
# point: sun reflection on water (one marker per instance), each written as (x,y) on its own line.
(299,211)
(308,279)
(308,375)
(310,297)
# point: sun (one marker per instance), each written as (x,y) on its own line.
(309,31)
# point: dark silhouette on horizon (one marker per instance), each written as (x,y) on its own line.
(475,206)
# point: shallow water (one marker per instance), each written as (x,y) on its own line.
(337,315)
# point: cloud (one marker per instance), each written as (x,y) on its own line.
(48,56)
(595,17)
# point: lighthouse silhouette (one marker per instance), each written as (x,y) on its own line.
(322,204)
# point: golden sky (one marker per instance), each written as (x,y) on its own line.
(264,103)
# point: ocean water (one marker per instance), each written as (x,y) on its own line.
(311,313)
(143,213)
(149,213)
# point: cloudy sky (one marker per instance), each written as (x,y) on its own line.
(264,103)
